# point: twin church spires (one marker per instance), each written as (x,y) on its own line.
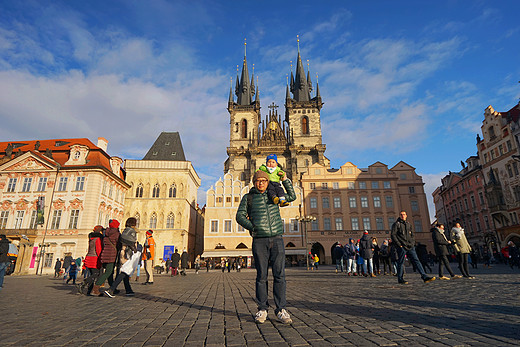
(296,140)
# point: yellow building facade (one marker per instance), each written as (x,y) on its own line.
(349,200)
(163,198)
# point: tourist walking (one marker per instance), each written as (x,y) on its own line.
(57,268)
(262,218)
(197,264)
(440,245)
(93,260)
(149,256)
(108,255)
(462,247)
(384,257)
(403,239)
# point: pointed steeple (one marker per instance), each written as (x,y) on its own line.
(300,86)
(244,91)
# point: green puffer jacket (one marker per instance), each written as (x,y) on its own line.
(265,220)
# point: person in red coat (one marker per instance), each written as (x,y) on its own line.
(92,260)
(108,255)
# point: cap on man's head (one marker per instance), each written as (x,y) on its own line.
(260,174)
(113,223)
(271,156)
(149,232)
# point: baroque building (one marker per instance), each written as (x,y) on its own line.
(498,152)
(52,193)
(461,199)
(349,200)
(163,198)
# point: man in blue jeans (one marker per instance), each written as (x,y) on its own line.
(258,214)
(404,240)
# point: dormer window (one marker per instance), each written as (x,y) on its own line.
(174,153)
(154,153)
(77,155)
(167,144)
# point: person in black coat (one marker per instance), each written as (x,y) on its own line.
(184,263)
(57,268)
(339,254)
(440,244)
(176,257)
(366,251)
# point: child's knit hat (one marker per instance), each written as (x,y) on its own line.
(272,156)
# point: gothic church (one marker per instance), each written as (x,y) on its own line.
(295,139)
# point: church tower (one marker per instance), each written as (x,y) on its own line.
(244,120)
(302,113)
(296,140)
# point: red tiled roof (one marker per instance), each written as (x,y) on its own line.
(60,149)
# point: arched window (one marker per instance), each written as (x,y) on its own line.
(138,220)
(139,191)
(173,191)
(155,191)
(305,125)
(244,129)
(153,221)
(169,221)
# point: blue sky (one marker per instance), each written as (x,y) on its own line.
(401,80)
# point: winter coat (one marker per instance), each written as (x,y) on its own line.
(440,242)
(149,248)
(275,176)
(176,257)
(339,252)
(461,243)
(4,249)
(110,246)
(384,252)
(264,219)
(66,262)
(184,260)
(57,266)
(365,247)
(95,246)
(402,234)
(350,250)
(377,251)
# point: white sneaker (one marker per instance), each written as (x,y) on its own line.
(284,317)
(261,316)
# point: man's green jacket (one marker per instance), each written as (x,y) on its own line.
(262,218)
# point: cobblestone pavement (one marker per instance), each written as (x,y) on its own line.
(216,309)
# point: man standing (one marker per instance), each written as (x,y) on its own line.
(261,217)
(403,240)
(176,257)
(148,256)
(184,262)
(57,268)
(4,259)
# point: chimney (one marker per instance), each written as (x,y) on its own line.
(102,143)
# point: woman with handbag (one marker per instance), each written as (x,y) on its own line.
(462,247)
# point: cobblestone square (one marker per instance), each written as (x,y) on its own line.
(217,309)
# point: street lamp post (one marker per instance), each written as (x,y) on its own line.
(304,220)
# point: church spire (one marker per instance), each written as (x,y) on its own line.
(244,90)
(300,85)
